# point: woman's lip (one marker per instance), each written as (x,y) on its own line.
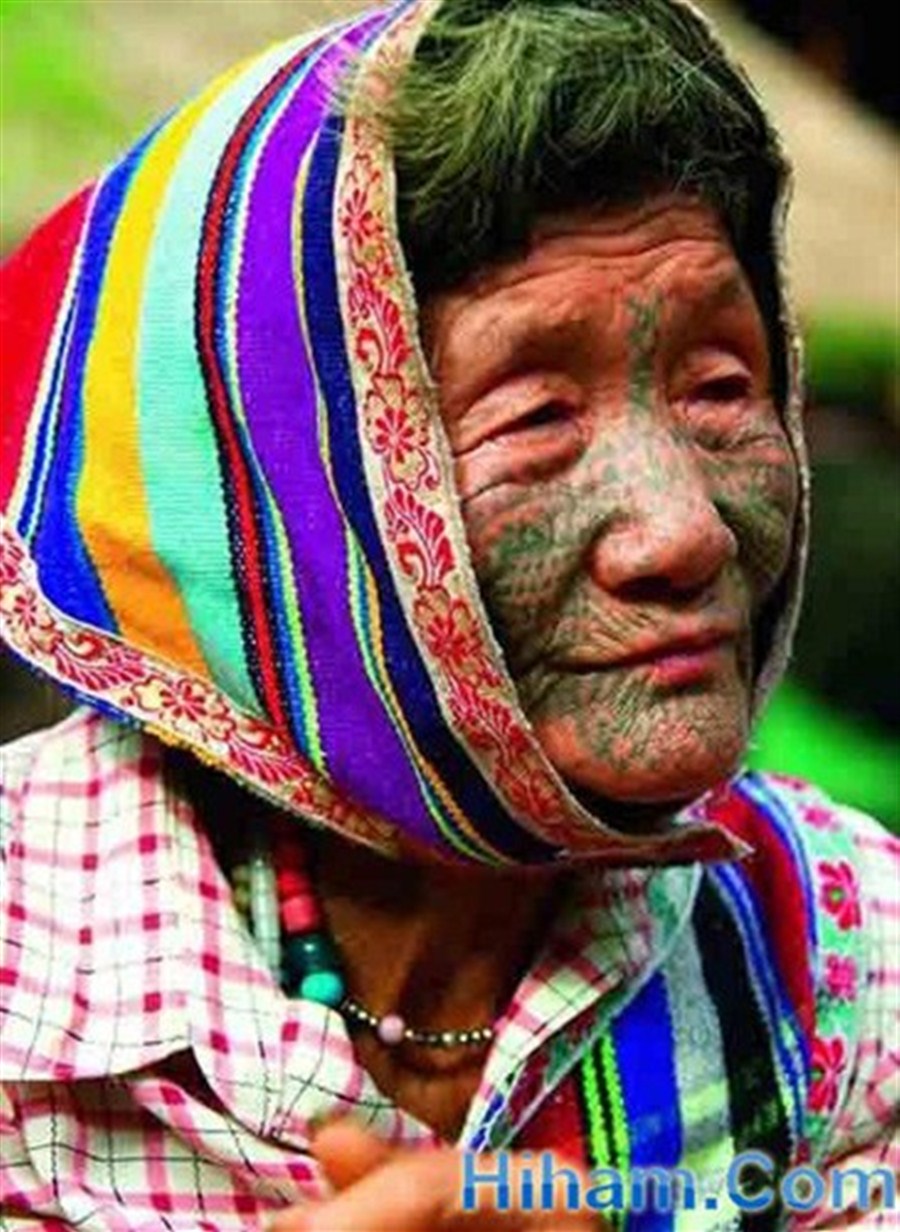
(679,647)
(681,660)
(681,665)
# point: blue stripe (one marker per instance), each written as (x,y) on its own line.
(763,973)
(644,1041)
(43,452)
(404,662)
(68,576)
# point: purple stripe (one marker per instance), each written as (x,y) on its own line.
(361,745)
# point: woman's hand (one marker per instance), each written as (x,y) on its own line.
(382,1189)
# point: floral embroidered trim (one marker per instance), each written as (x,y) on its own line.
(179,708)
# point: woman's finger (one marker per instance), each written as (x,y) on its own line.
(347,1152)
(423,1193)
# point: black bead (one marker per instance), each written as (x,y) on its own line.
(303,953)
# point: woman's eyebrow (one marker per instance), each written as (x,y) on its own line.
(726,303)
(731,291)
(528,339)
(510,345)
(487,357)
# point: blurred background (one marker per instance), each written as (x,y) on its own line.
(80,80)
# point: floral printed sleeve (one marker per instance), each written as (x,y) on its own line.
(854,1102)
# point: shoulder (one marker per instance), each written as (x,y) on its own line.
(765,801)
(57,783)
(83,731)
(97,849)
(841,859)
(814,858)
(847,862)
(84,744)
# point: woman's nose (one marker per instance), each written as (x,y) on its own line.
(665,531)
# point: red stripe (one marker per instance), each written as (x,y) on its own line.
(775,881)
(237,469)
(557,1126)
(32,283)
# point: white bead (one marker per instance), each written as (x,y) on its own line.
(391,1029)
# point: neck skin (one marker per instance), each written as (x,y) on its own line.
(443,947)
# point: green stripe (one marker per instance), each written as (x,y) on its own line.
(615,1111)
(598,1145)
(175,433)
(603,1131)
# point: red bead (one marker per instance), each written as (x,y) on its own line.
(290,882)
(300,913)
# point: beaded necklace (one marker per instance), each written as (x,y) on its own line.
(274,889)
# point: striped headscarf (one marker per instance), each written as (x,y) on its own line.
(230,514)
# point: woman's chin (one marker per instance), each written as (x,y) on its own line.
(651,789)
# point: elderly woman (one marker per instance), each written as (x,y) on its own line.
(404,468)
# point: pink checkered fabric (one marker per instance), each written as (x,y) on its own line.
(154,1076)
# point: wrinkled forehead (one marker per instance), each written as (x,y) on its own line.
(581,280)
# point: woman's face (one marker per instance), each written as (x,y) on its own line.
(627,487)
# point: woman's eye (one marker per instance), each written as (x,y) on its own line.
(735,387)
(544,416)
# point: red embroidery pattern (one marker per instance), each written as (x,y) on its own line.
(181,709)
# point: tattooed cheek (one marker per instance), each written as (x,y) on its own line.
(524,565)
(777,492)
(765,548)
(758,490)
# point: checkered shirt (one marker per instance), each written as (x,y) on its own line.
(154,1076)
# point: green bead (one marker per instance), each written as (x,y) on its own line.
(326,987)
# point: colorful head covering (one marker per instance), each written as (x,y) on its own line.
(230,509)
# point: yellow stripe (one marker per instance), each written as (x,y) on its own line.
(111,501)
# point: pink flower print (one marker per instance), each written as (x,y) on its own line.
(840,978)
(829,1058)
(840,893)
(791,781)
(818,817)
